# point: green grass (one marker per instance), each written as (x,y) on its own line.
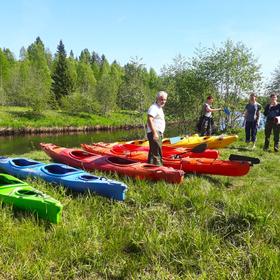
(20,117)
(210,227)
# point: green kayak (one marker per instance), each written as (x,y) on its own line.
(19,194)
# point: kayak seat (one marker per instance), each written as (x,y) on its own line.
(81,154)
(58,169)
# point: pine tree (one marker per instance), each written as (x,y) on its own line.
(62,84)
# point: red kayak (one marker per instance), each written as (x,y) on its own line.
(140,152)
(187,164)
(90,161)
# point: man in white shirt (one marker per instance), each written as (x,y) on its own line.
(155,128)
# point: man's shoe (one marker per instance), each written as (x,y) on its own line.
(276,149)
(254,146)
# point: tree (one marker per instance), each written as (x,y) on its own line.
(86,81)
(134,92)
(85,56)
(233,70)
(62,84)
(186,90)
(106,93)
(274,84)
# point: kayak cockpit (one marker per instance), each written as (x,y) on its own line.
(79,154)
(23,162)
(58,169)
(120,161)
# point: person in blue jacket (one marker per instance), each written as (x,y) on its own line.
(272,111)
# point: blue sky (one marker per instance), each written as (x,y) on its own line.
(154,30)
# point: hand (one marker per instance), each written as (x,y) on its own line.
(155,136)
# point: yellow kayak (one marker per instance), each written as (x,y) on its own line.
(213,142)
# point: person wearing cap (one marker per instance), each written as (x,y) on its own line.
(252,119)
(272,111)
(155,128)
(205,123)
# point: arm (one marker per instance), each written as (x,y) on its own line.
(150,121)
(209,109)
(266,110)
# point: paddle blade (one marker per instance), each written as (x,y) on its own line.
(252,160)
(199,148)
(227,111)
(174,140)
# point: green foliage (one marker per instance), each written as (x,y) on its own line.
(62,84)
(186,90)
(86,81)
(78,102)
(134,93)
(274,84)
(106,94)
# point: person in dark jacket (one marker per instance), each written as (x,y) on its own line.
(272,111)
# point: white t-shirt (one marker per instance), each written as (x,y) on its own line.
(207,107)
(157,113)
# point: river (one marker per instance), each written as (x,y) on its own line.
(20,144)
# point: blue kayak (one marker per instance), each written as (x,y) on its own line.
(75,179)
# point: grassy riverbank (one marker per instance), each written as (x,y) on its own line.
(20,117)
(210,227)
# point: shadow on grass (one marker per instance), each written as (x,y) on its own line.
(30,115)
(231,227)
(81,115)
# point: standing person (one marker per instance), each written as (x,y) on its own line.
(155,128)
(252,119)
(205,124)
(271,111)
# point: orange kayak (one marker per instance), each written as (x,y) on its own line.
(187,164)
(140,153)
(90,161)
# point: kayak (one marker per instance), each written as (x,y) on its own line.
(75,179)
(22,196)
(140,153)
(123,166)
(187,164)
(213,142)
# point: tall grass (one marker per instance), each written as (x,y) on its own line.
(210,227)
(20,117)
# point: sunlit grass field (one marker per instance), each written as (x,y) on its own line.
(210,227)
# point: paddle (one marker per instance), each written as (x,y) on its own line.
(252,160)
(226,111)
(200,148)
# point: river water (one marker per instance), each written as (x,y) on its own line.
(21,144)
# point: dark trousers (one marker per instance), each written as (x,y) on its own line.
(251,131)
(206,126)
(269,127)
(155,152)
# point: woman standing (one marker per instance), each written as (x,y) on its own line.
(252,118)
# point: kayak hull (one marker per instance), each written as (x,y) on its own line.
(75,179)
(90,161)
(22,196)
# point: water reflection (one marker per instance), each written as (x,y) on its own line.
(21,144)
